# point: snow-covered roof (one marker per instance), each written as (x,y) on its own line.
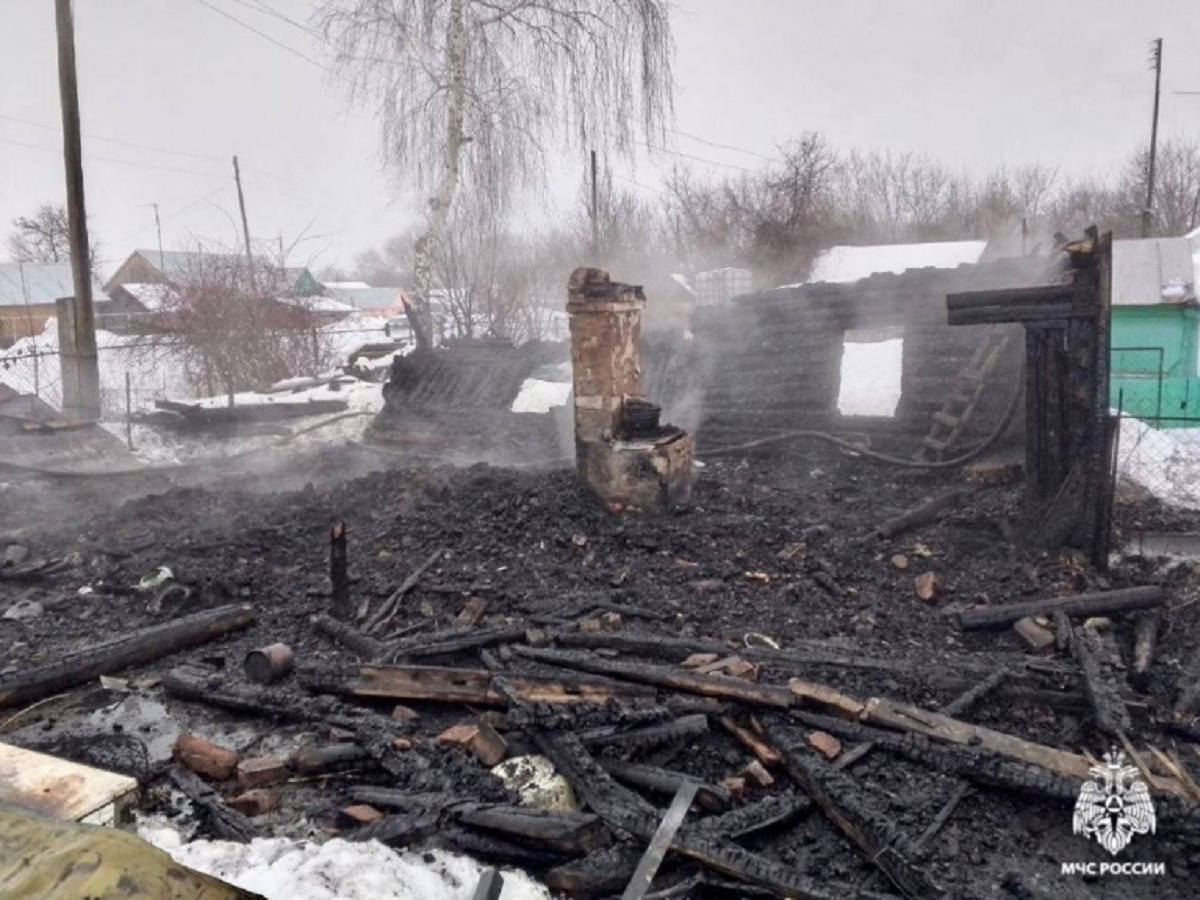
(180,266)
(368,298)
(1154,271)
(319,304)
(345,285)
(845,264)
(35,284)
(153,297)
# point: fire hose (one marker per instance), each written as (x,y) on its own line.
(998,432)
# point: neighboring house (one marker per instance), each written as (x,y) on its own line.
(846,264)
(178,267)
(382,302)
(326,308)
(28,292)
(1156,329)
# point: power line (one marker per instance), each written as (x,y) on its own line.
(263,35)
(91,157)
(733,147)
(108,140)
(176,212)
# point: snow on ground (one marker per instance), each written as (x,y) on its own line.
(364,396)
(539,396)
(282,869)
(31,366)
(1166,462)
(871,378)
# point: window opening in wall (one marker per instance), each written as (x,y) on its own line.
(872,367)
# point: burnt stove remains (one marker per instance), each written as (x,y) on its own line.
(622,452)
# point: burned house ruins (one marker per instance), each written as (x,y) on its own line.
(848,657)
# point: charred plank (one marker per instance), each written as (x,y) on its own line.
(134,649)
(721,687)
(1100,604)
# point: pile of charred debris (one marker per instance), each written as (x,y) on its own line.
(859,693)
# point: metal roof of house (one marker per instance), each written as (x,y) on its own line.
(844,264)
(153,297)
(367,298)
(179,265)
(1154,271)
(35,284)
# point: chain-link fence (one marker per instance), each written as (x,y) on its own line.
(137,370)
(1158,450)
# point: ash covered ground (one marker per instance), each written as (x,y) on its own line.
(779,547)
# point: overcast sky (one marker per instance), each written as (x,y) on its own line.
(175,89)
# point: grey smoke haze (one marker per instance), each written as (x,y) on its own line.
(975,83)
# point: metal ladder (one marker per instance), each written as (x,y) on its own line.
(950,421)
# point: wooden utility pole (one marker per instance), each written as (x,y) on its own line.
(595,213)
(81,368)
(162,264)
(1156,58)
(237,176)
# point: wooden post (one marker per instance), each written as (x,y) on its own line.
(237,176)
(81,374)
(595,213)
(1148,212)
(339,577)
(129,409)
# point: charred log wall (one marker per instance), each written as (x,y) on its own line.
(458,398)
(771,362)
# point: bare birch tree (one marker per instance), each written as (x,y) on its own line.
(470,90)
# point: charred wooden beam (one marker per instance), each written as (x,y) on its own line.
(809,653)
(1187,702)
(1041,303)
(872,833)
(112,656)
(924,513)
(477,686)
(971,696)
(648,737)
(601,874)
(1100,661)
(763,752)
(772,811)
(225,822)
(663,781)
(367,647)
(1101,604)
(625,811)
(391,605)
(405,801)
(488,845)
(902,717)
(1145,645)
(571,833)
(976,764)
(445,642)
(400,830)
(335,758)
(922,843)
(721,687)
(339,573)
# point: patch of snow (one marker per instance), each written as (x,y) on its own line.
(871,378)
(282,869)
(843,264)
(539,396)
(1165,462)
(363,396)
